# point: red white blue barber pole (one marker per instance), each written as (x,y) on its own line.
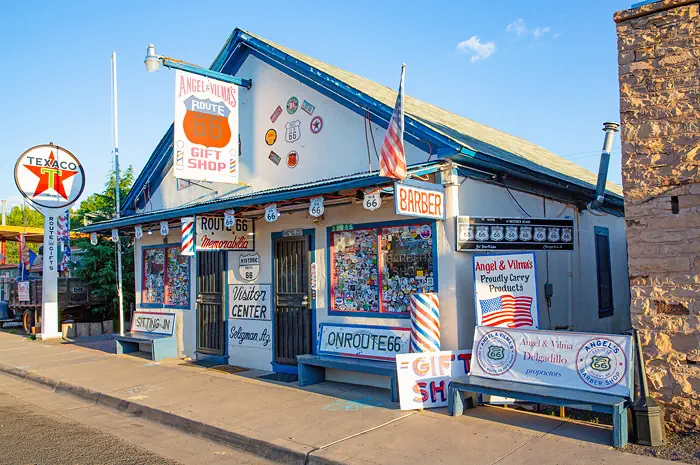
(425,323)
(187,246)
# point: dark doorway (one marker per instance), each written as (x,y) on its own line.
(293,313)
(211,321)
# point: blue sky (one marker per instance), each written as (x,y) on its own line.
(542,70)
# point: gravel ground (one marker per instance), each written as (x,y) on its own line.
(31,436)
(683,447)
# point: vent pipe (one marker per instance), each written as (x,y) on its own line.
(610,130)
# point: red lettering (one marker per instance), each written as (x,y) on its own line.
(419,388)
(402,199)
(466,359)
(438,205)
(424,202)
(436,389)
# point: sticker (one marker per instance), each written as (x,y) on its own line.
(274,158)
(276,114)
(426,231)
(308,108)
(292,105)
(293,131)
(270,136)
(316,124)
(292,159)
(429,282)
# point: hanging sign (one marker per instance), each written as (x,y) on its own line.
(229,218)
(359,341)
(588,362)
(115,235)
(514,233)
(23,291)
(164,230)
(93,238)
(49,176)
(206,129)
(505,290)
(316,208)
(249,266)
(424,378)
(138,231)
(271,213)
(420,199)
(213,234)
(153,323)
(187,236)
(372,201)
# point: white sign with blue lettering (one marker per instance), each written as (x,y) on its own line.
(360,341)
(153,323)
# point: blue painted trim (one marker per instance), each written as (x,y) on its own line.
(607,311)
(311,233)
(143,272)
(645,2)
(498,254)
(174,64)
(225,302)
(379,225)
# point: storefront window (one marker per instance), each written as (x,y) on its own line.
(376,270)
(166,277)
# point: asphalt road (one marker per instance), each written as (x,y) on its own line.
(38,426)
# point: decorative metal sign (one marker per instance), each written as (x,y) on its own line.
(271,213)
(138,231)
(213,234)
(514,233)
(420,199)
(372,201)
(249,266)
(316,208)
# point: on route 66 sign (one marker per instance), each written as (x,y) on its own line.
(372,201)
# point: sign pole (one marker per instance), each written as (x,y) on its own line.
(49,288)
(117,193)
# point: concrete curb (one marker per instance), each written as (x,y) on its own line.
(279,450)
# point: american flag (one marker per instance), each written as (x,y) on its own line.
(513,312)
(392,162)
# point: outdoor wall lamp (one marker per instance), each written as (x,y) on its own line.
(153,62)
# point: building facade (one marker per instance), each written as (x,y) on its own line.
(659,65)
(266,295)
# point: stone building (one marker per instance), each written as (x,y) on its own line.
(659,58)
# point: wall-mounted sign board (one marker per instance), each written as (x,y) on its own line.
(212,234)
(419,199)
(153,323)
(360,341)
(476,233)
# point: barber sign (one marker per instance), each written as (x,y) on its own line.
(419,199)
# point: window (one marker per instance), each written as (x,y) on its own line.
(166,277)
(602,253)
(376,269)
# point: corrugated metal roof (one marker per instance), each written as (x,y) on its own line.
(471,134)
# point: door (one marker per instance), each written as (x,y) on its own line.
(293,319)
(211,321)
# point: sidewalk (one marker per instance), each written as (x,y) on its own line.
(321,424)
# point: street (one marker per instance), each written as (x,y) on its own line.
(38,426)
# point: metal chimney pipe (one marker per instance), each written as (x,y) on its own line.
(610,130)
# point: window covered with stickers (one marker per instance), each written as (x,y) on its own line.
(166,277)
(375,270)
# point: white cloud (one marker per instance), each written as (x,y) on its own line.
(540,31)
(477,49)
(518,27)
(555,36)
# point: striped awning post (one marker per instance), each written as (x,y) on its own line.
(187,246)
(425,323)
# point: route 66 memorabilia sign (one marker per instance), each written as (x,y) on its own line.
(485,233)
(372,201)
(206,129)
(229,219)
(249,266)
(164,230)
(138,231)
(93,238)
(316,208)
(271,213)
(293,131)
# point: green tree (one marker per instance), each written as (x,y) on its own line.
(22,216)
(97,264)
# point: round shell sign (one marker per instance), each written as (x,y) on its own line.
(49,176)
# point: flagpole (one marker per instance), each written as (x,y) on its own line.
(116,187)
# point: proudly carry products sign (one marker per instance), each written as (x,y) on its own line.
(505,290)
(212,234)
(514,233)
(206,129)
(359,341)
(588,362)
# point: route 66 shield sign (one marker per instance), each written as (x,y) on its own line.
(271,213)
(316,208)
(293,129)
(372,201)
(206,122)
(249,266)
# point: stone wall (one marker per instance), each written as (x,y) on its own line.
(659,56)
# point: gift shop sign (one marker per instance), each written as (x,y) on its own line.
(424,377)
(212,234)
(250,316)
(359,341)
(583,361)
(153,323)
(206,129)
(419,199)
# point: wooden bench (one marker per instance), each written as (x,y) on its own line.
(463,393)
(312,369)
(152,329)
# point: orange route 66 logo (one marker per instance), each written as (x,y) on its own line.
(206,122)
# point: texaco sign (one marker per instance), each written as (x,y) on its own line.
(49,176)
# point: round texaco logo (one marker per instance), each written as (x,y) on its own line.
(496,352)
(601,363)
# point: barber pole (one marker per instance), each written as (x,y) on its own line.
(187,247)
(425,322)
